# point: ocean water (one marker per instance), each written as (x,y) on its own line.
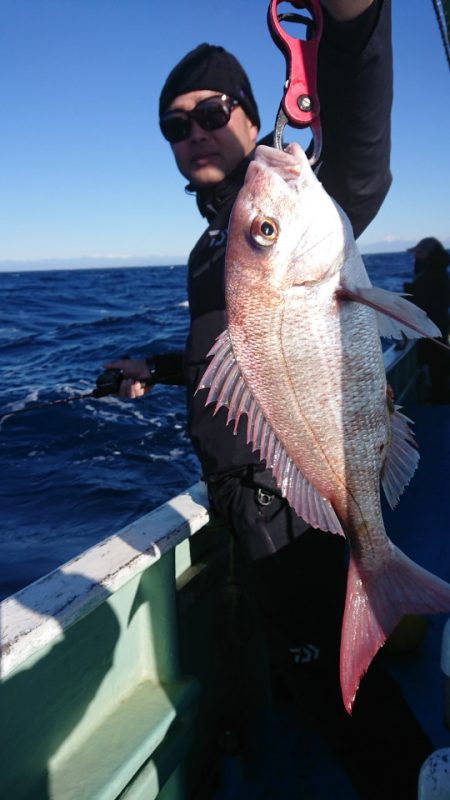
(73,474)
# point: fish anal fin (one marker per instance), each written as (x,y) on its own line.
(227,388)
(396,316)
(402,458)
(375,603)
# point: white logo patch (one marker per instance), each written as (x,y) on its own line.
(218,238)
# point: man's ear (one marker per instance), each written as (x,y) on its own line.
(254,130)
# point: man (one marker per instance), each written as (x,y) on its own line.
(210,117)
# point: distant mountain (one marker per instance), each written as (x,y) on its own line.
(89,262)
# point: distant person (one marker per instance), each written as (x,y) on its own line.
(430,290)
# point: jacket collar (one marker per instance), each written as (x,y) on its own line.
(213,199)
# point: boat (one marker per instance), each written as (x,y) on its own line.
(112,666)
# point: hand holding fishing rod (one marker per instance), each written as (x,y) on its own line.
(129,377)
(113,381)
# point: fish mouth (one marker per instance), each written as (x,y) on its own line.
(288,164)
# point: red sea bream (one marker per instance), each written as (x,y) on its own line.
(302,359)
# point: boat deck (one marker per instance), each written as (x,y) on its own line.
(294,763)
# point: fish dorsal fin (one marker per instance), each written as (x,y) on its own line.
(227,388)
(402,458)
(395,315)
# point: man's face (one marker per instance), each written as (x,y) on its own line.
(207,157)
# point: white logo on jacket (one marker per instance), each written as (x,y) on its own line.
(218,237)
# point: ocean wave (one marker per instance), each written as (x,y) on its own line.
(18,405)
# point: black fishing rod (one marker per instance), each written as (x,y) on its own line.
(107,383)
(442,12)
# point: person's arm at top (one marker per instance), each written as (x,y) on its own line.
(355,91)
(345,10)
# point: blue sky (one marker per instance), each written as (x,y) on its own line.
(84,170)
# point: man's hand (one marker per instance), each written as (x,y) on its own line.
(344,10)
(133,370)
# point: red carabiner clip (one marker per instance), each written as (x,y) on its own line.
(300,104)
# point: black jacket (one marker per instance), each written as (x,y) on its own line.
(355,90)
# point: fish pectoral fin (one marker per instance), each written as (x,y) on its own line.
(396,316)
(402,458)
(227,388)
(376,601)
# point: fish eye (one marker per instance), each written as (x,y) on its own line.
(264,231)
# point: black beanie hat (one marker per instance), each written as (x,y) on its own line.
(210,67)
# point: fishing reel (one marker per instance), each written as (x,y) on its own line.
(108,383)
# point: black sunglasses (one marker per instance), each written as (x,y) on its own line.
(211,114)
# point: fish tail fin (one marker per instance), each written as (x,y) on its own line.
(376,602)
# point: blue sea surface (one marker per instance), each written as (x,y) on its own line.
(76,473)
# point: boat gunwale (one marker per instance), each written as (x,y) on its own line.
(39,614)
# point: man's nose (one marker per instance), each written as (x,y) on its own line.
(197,132)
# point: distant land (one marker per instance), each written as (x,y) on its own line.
(89,262)
(94,262)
